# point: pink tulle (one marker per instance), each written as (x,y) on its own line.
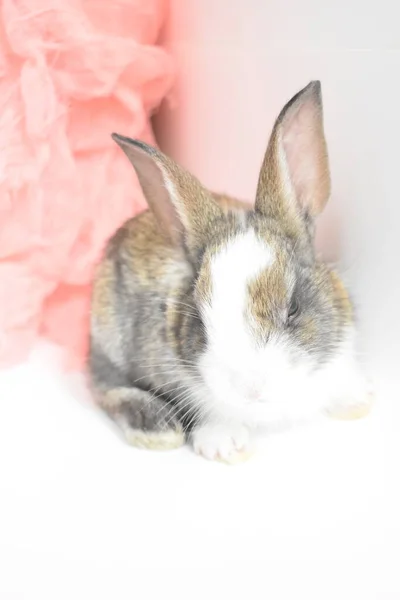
(71,72)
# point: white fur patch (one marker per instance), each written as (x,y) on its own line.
(232,270)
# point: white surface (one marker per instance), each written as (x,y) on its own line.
(315,514)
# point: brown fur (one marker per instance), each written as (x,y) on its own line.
(228,203)
(341,300)
(149,252)
(268,294)
(101,295)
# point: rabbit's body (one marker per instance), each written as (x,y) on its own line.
(144,339)
(210,316)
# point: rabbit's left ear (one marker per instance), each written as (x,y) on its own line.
(295,171)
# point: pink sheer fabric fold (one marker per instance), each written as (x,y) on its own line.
(71,72)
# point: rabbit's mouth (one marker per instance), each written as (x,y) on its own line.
(280,399)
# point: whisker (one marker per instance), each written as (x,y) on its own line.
(155,389)
(175,359)
(166,364)
(191,306)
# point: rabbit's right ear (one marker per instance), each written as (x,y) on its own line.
(183,208)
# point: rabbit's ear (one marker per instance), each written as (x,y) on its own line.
(183,208)
(295,171)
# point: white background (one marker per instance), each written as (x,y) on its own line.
(315,514)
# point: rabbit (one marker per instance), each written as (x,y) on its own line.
(211,317)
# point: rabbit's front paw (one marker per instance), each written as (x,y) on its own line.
(354,403)
(226,443)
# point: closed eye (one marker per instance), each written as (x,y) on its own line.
(294,309)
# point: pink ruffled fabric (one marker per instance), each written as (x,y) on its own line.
(71,72)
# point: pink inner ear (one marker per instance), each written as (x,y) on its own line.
(157,195)
(155,188)
(305,149)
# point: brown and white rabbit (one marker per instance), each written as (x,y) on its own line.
(211,317)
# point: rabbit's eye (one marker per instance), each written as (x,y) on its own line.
(293,309)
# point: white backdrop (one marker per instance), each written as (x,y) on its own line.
(239,62)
